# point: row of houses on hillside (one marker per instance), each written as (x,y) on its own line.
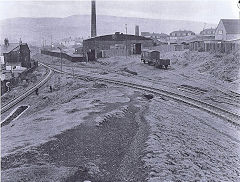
(165,37)
(227,29)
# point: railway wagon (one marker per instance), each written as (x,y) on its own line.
(152,57)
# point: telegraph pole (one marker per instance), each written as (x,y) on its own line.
(126,40)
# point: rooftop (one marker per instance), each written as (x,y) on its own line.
(232,26)
(117,37)
(182,31)
(9,47)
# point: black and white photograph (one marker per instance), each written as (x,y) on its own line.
(120,90)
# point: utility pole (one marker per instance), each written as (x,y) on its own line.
(51,42)
(61,59)
(126,40)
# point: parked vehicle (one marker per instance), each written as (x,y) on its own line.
(152,57)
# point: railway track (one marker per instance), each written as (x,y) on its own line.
(16,100)
(229,95)
(229,116)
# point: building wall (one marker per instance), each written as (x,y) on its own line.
(220,32)
(114,52)
(98,46)
(25,56)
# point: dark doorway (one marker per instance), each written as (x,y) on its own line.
(99,54)
(91,55)
(137,48)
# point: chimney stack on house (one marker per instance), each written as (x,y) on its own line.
(6,42)
(93,20)
(20,41)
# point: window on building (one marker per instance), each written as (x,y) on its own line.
(220,32)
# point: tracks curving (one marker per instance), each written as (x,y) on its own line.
(229,116)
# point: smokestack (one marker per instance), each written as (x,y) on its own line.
(137,30)
(93,20)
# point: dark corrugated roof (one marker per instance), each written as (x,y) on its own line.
(232,26)
(117,37)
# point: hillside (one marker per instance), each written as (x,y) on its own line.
(33,30)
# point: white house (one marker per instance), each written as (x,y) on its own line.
(228,29)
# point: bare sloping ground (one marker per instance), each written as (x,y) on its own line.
(84,130)
(225,67)
(189,145)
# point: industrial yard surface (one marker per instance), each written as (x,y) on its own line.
(96,131)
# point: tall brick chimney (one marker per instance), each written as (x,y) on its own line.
(137,30)
(93,20)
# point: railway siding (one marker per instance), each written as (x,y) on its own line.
(229,116)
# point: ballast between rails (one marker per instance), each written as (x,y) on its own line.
(15,101)
(222,113)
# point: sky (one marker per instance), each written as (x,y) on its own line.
(209,11)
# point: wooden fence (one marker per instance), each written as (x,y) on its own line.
(214,46)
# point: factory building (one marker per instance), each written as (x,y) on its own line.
(132,44)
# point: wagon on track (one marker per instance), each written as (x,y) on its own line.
(152,57)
